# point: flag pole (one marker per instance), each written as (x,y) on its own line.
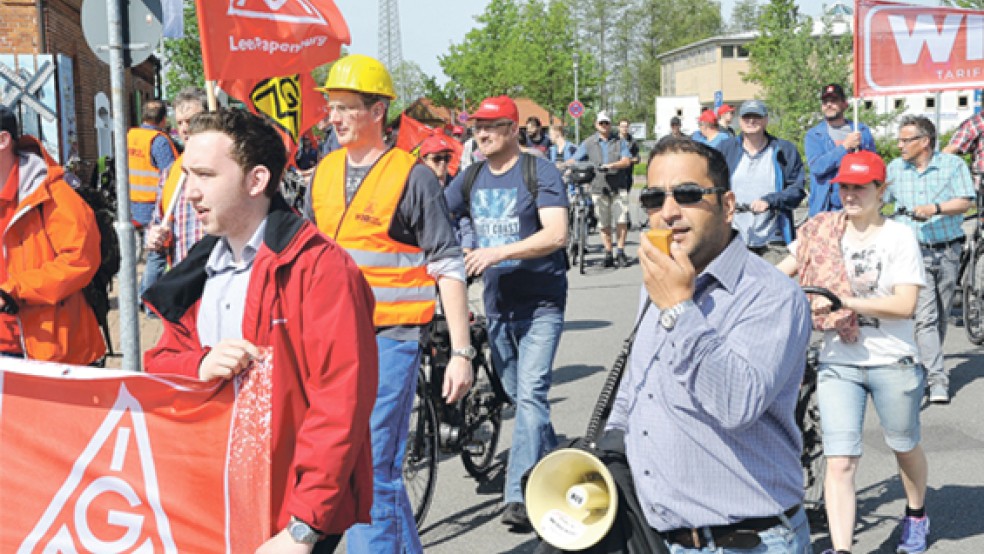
(213,102)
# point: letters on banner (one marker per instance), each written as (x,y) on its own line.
(901,48)
(243,39)
(112,461)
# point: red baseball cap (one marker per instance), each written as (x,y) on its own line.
(725,108)
(434,144)
(708,116)
(498,107)
(457,130)
(860,168)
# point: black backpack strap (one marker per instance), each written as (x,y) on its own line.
(471,174)
(529,174)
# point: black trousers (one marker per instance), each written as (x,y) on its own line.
(327,545)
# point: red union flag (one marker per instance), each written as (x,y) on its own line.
(112,461)
(245,39)
(901,48)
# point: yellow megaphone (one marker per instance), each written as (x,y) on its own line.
(571,499)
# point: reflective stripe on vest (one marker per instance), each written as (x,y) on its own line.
(144,177)
(397,272)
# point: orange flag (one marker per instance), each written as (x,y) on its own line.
(243,39)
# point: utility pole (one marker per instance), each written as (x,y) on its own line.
(577,121)
(390,43)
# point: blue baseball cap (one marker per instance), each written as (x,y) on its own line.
(753,107)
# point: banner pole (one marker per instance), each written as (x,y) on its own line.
(213,102)
(857,112)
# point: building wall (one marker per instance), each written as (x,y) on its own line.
(18,26)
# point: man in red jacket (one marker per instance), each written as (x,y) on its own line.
(264,277)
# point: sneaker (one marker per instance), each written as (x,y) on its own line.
(514,517)
(915,531)
(609,260)
(938,394)
(623,260)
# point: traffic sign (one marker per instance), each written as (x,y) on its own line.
(718,99)
(576,109)
(142,29)
(463,117)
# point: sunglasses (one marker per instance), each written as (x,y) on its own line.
(684,194)
(440,158)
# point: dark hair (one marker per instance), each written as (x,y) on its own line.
(924,125)
(8,122)
(255,142)
(154,111)
(534,119)
(717,166)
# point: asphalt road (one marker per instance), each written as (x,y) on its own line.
(601,307)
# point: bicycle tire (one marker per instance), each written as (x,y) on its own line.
(973,296)
(582,242)
(420,459)
(483,418)
(572,246)
(813,461)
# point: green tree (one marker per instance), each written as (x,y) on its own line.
(969,4)
(184,56)
(744,16)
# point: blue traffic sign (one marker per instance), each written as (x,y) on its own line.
(718,99)
(576,109)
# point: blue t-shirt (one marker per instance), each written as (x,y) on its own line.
(502,211)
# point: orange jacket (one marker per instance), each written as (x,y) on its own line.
(51,249)
(397,272)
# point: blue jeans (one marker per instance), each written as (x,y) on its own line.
(523,354)
(794,539)
(393,528)
(842,393)
(156,266)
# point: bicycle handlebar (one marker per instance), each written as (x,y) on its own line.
(835,301)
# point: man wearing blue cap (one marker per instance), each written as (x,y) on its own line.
(767,175)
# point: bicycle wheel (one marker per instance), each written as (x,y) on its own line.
(483,418)
(812,459)
(582,242)
(572,248)
(420,460)
(973,296)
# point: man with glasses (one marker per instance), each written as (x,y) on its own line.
(521,233)
(388,212)
(827,143)
(435,152)
(707,413)
(609,154)
(767,176)
(936,188)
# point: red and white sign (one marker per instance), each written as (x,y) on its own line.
(257,39)
(576,109)
(113,461)
(900,48)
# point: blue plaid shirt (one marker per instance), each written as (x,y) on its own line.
(945,178)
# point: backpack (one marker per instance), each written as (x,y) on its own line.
(97,291)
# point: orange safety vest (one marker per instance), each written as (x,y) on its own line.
(144,176)
(170,185)
(397,272)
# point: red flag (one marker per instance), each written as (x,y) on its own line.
(413,132)
(243,39)
(900,48)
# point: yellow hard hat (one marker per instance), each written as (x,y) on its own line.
(360,73)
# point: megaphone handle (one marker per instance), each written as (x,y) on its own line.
(604,404)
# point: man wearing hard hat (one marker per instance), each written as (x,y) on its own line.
(389,213)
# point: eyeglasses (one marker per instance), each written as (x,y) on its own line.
(907,140)
(440,158)
(489,127)
(604,123)
(684,194)
(343,110)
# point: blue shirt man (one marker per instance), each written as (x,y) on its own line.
(520,239)
(708,413)
(937,189)
(827,143)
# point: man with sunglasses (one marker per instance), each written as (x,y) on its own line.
(388,212)
(706,412)
(827,143)
(936,187)
(609,153)
(767,175)
(521,234)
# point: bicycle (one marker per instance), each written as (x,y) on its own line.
(470,428)
(970,279)
(577,248)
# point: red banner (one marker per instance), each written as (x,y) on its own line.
(900,48)
(413,132)
(244,39)
(113,461)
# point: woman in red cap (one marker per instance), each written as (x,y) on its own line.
(436,154)
(869,349)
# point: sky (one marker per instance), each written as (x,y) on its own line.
(428,27)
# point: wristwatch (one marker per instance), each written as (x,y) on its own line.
(302,532)
(669,316)
(467,352)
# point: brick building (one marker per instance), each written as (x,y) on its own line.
(52,27)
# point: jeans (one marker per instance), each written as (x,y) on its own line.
(842,393)
(155,268)
(393,528)
(522,354)
(933,309)
(780,539)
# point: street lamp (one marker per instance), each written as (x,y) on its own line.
(577,126)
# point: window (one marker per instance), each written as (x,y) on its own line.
(899,103)
(742,52)
(962,102)
(930,102)
(728,51)
(869,105)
